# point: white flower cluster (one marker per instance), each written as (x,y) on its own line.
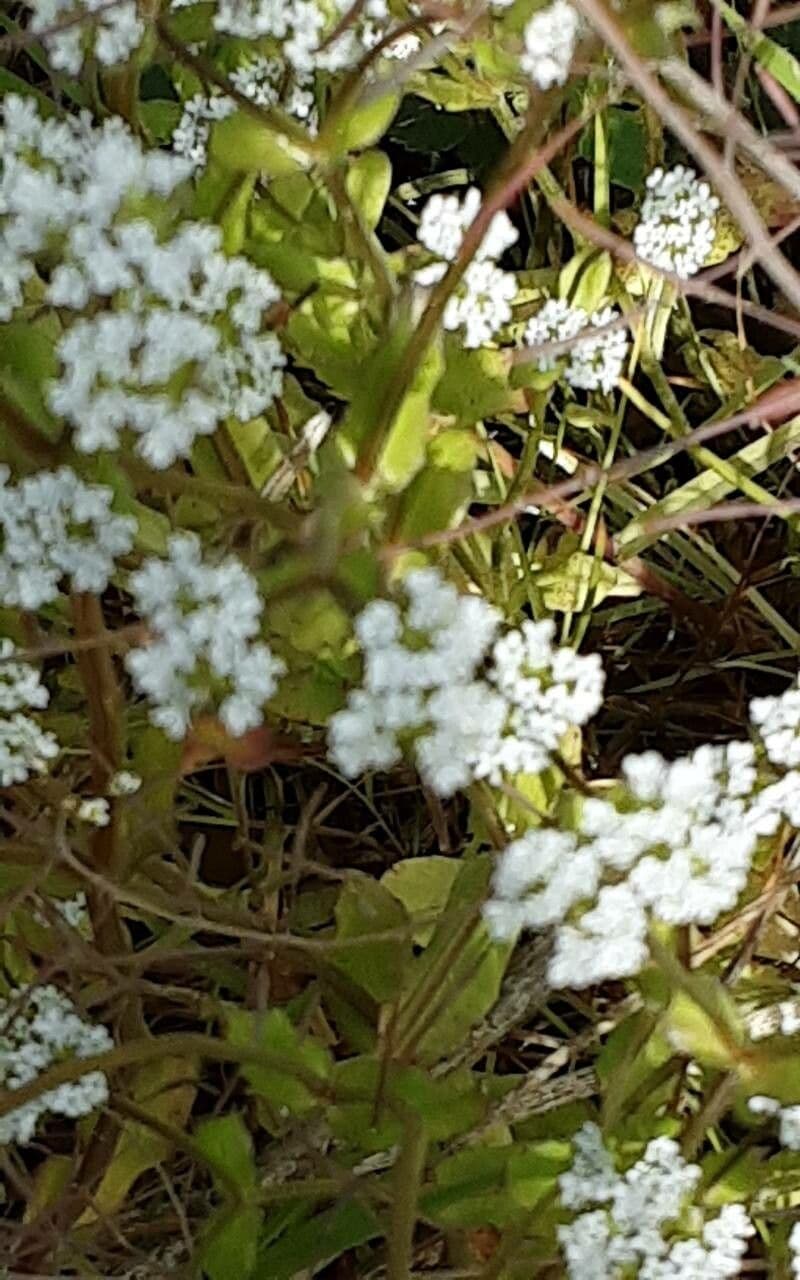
(676,846)
(124,783)
(593,363)
(481,303)
(38,1028)
(185,352)
(677,221)
(549,39)
(262,79)
(62,178)
(109,32)
(54,526)
(204,619)
(180,347)
(631,1230)
(24,747)
(304,28)
(778,723)
(421,684)
(788,1119)
(190,135)
(94,810)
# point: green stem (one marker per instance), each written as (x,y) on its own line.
(154,1049)
(406,1180)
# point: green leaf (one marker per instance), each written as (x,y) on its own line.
(423,886)
(446,1107)
(257,447)
(325,1236)
(366,907)
(404,451)
(703,1023)
(51,1180)
(633,1052)
(312,623)
(165,1089)
(532,1172)
(584,281)
(281,1085)
(779,61)
(360,126)
(160,118)
(228,1147)
(230,1248)
(730,1177)
(468,984)
(474,384)
(242,143)
(581,580)
(439,494)
(472,1190)
(627,147)
(369,181)
(28,363)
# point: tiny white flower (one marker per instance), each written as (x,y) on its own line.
(124,783)
(94,811)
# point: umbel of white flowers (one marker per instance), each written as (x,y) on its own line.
(182,344)
(38,1027)
(675,844)
(635,1215)
(481,304)
(465,701)
(205,619)
(24,747)
(594,363)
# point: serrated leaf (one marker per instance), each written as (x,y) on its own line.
(228,1147)
(281,1085)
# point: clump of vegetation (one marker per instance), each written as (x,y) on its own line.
(399,697)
